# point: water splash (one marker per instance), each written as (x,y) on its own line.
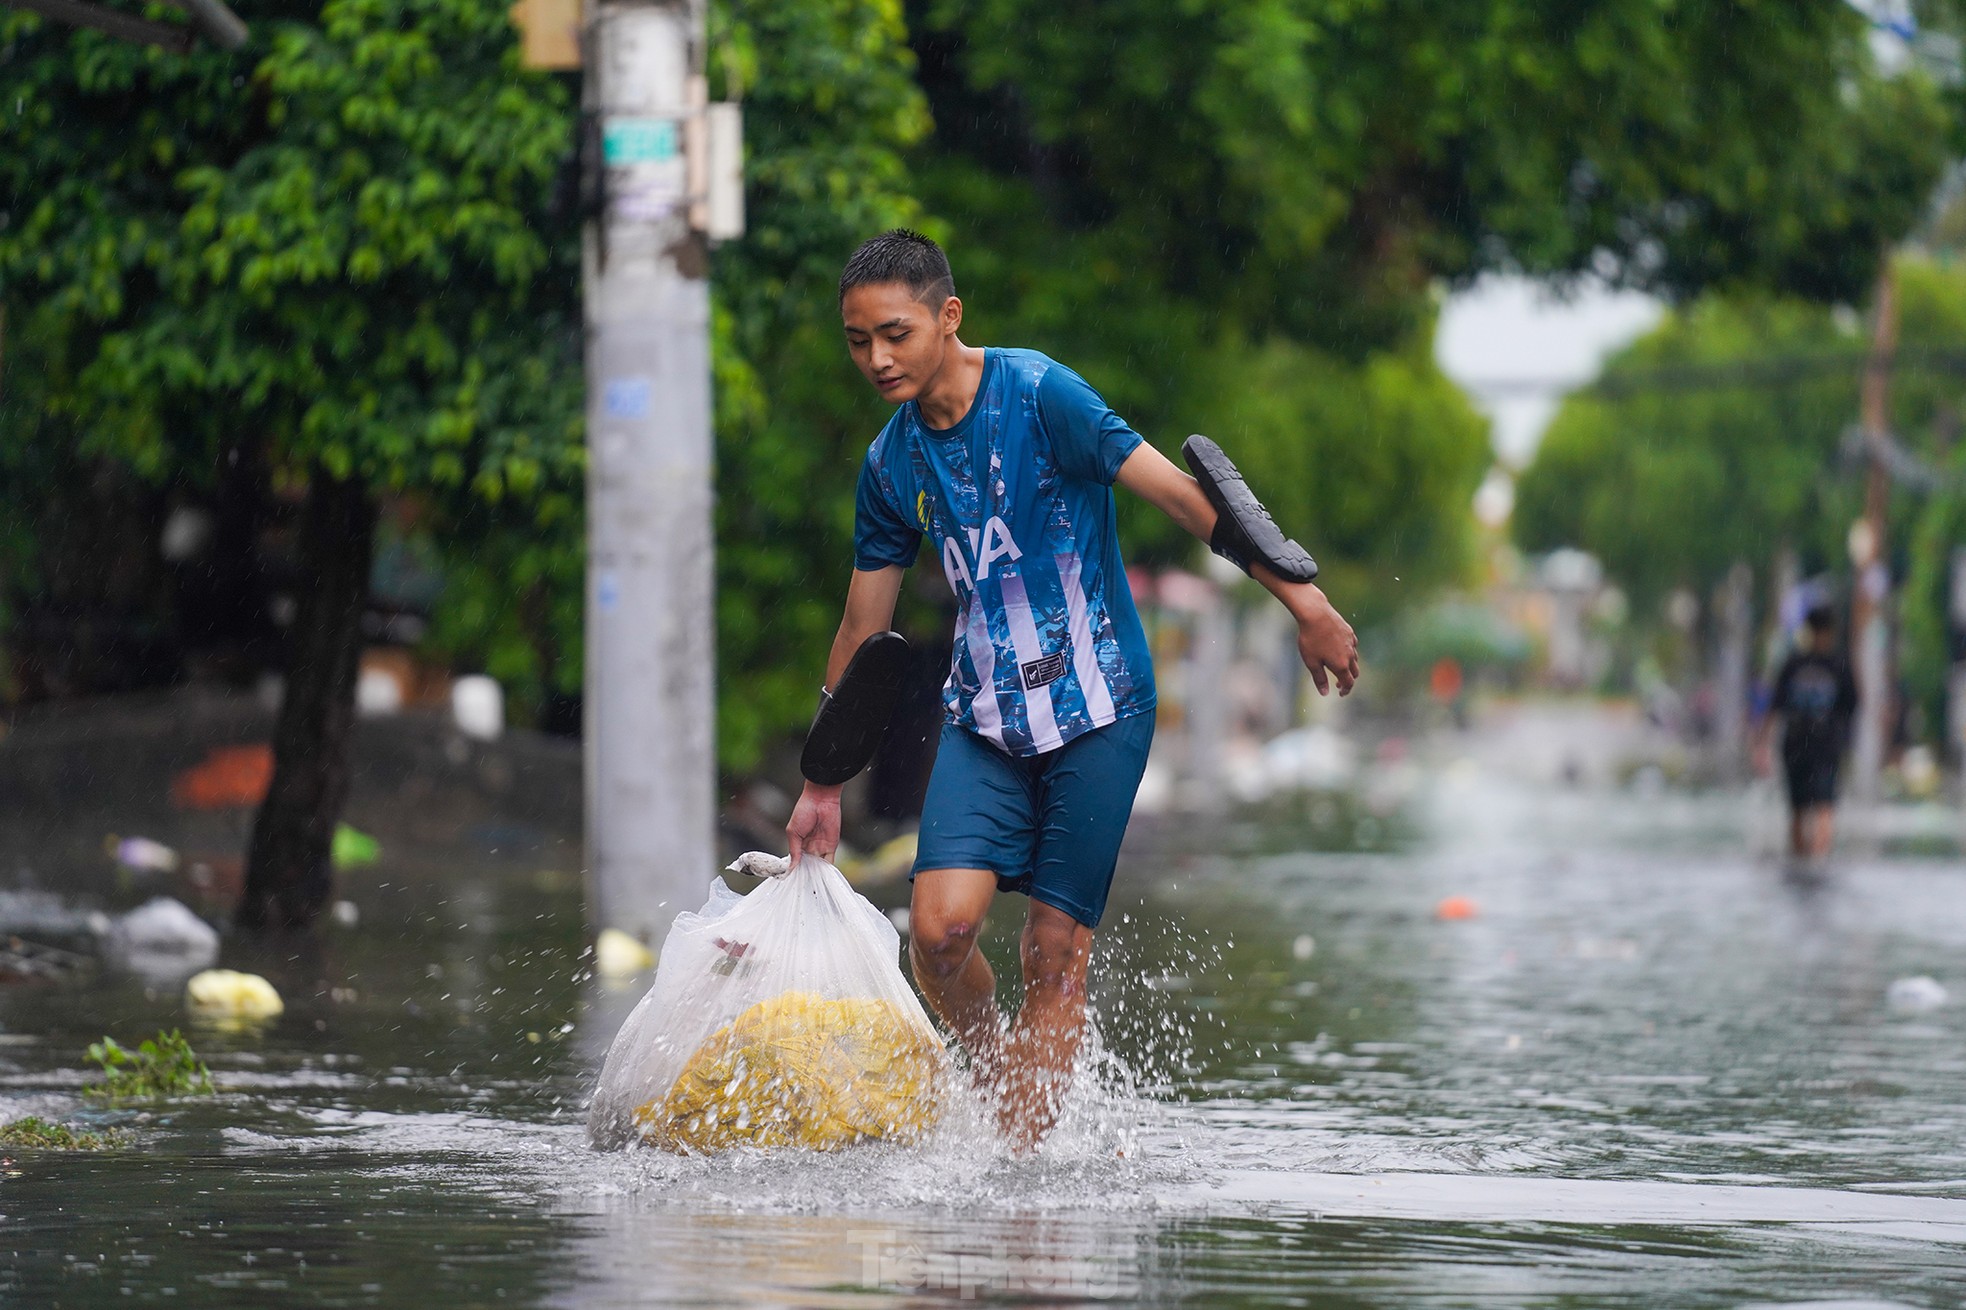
(1118,1144)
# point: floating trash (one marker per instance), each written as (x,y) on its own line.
(141,854)
(378,692)
(227,995)
(1915,995)
(27,961)
(478,707)
(160,938)
(229,777)
(891,859)
(618,955)
(1456,907)
(353,848)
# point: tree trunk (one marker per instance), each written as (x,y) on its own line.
(289,877)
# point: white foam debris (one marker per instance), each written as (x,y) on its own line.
(162,926)
(1915,995)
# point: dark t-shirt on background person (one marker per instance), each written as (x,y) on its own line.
(1816,697)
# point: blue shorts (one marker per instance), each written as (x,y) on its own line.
(1047,825)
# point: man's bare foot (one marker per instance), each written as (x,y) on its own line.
(984,1056)
(1042,1047)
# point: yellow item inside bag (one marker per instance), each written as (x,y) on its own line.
(799,1070)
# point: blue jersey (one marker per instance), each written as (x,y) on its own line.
(1048,644)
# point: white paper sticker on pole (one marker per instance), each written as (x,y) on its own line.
(726,216)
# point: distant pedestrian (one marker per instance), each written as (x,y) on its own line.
(1813,701)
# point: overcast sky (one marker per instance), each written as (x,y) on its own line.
(1516,349)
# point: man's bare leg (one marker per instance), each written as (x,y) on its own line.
(944,921)
(1822,830)
(1044,1042)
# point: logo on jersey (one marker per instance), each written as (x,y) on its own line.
(1043,672)
(993,543)
(1813,693)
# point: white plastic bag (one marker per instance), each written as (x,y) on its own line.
(778,1018)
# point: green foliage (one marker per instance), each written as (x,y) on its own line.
(1311,166)
(34,1132)
(1373,462)
(831,107)
(1231,217)
(338,240)
(1925,651)
(1717,438)
(160,1067)
(1466,631)
(336,247)
(1927,405)
(1376,463)
(1710,440)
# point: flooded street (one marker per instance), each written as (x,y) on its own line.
(1444,504)
(1647,1068)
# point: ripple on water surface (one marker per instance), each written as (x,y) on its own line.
(1647,1072)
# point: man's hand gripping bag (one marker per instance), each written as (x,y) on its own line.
(779,1018)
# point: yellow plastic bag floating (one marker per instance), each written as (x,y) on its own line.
(800,1070)
(776,1019)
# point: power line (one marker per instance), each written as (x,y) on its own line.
(1768,371)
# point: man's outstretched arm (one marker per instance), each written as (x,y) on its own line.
(1325,641)
(870,600)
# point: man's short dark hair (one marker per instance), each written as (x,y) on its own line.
(1820,619)
(899,255)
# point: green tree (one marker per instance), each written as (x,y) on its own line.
(1720,437)
(831,109)
(1312,167)
(1376,462)
(1232,219)
(1235,216)
(1710,440)
(335,245)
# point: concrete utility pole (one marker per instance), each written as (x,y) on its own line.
(650,678)
(1870,634)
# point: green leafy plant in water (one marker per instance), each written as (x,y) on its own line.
(160,1067)
(35,1132)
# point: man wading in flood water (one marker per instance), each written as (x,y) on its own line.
(1005,460)
(1814,700)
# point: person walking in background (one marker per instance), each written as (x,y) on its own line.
(1814,700)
